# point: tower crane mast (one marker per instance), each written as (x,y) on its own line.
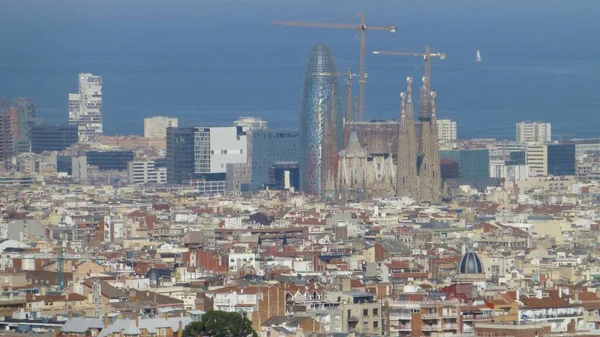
(348,76)
(362,28)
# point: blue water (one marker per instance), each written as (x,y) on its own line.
(210,61)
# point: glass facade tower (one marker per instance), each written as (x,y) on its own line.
(320,84)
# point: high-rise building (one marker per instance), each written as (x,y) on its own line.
(252,123)
(534,132)
(25,120)
(6,138)
(85,107)
(561,159)
(536,157)
(265,147)
(446,130)
(214,149)
(180,155)
(320,119)
(156,127)
(52,137)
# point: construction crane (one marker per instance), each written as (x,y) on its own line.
(426,101)
(348,76)
(362,28)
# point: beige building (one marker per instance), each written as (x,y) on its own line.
(156,127)
(533,132)
(360,313)
(536,157)
(446,130)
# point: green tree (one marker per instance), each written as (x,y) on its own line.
(220,324)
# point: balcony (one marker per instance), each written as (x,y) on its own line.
(451,326)
(396,317)
(432,327)
(430,315)
(405,327)
(352,319)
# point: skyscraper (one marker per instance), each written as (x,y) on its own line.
(85,107)
(180,155)
(319,121)
(25,120)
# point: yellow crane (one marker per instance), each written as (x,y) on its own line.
(362,28)
(348,76)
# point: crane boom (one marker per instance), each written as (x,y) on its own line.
(362,28)
(427,55)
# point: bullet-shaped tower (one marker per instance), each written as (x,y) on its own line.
(406,168)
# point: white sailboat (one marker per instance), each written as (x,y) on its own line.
(478,56)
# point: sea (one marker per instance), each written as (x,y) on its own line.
(209,62)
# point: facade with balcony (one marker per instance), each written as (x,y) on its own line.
(424,318)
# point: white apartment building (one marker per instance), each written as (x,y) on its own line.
(510,172)
(144,172)
(85,107)
(156,127)
(446,130)
(251,123)
(536,157)
(533,132)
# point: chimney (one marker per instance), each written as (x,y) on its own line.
(137,320)
(180,331)
(560,293)
(106,320)
(571,327)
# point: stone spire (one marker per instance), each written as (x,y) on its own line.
(406,168)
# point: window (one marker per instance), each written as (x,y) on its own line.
(376,324)
(365,312)
(375,311)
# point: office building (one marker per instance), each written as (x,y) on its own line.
(109,160)
(446,130)
(533,132)
(284,176)
(561,159)
(85,107)
(266,147)
(316,151)
(536,157)
(251,123)
(146,172)
(6,139)
(180,155)
(472,163)
(52,137)
(156,127)
(25,118)
(214,149)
